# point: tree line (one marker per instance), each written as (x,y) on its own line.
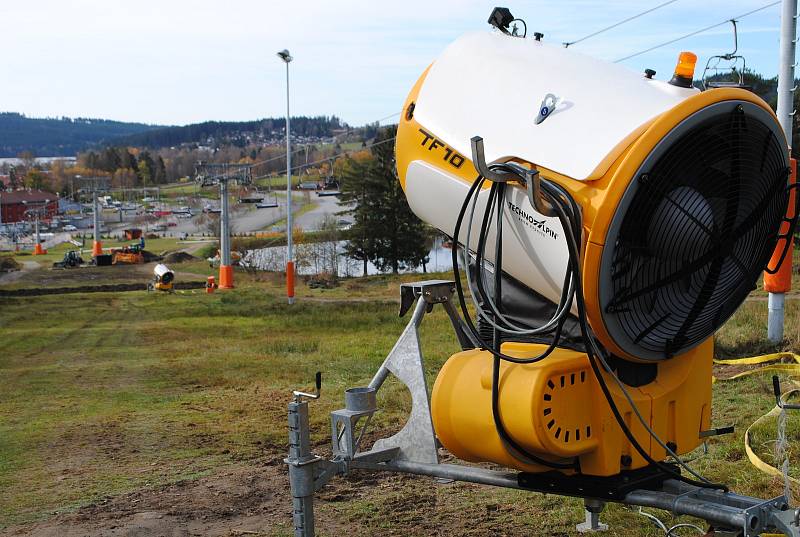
(54,137)
(236,133)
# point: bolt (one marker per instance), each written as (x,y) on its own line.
(644,178)
(672,446)
(626,460)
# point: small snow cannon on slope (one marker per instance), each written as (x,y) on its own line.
(163,279)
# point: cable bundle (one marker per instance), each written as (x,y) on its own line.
(569,216)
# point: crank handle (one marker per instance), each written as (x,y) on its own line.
(298,395)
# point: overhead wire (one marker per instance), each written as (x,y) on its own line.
(271,159)
(696,32)
(620,23)
(337,155)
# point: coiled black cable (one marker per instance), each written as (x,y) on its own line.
(569,216)
(517,450)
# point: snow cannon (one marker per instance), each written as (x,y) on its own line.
(608,224)
(163,278)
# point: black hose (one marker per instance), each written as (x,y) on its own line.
(569,216)
(499,190)
(592,349)
(474,189)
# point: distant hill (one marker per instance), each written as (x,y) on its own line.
(68,136)
(237,133)
(59,137)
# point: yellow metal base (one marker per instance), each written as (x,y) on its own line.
(556,409)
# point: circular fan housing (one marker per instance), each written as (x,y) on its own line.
(694,230)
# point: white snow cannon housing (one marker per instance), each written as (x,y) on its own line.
(163,274)
(681,192)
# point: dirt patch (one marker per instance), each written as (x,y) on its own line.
(255,500)
(239,501)
(150,257)
(179,257)
(8,264)
(109,288)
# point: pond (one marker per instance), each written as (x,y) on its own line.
(322,257)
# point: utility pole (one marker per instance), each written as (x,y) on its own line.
(225,267)
(208,174)
(287,58)
(34,213)
(94,186)
(785,112)
(97,245)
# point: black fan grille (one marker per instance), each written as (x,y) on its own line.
(700,225)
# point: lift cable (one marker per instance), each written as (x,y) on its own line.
(707,28)
(333,157)
(295,152)
(620,23)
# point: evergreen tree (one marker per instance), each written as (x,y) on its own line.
(161,171)
(130,161)
(385,231)
(355,183)
(13,182)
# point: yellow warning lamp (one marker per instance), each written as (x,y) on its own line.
(684,70)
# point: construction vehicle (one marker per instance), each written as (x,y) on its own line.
(132,254)
(71,259)
(163,279)
(607,224)
(128,255)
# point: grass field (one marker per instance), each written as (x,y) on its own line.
(56,253)
(113,398)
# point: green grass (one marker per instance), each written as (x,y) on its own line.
(134,388)
(56,253)
(108,393)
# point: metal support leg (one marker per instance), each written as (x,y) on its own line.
(413,451)
(301,470)
(593,508)
(307,472)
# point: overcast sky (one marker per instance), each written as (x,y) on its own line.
(178,61)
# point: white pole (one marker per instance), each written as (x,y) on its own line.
(289,253)
(785,112)
(224,233)
(96,216)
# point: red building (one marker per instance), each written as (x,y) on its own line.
(14,204)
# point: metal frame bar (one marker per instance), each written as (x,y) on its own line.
(413,449)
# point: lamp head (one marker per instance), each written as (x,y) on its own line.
(285,56)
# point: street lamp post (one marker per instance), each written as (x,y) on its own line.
(286,57)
